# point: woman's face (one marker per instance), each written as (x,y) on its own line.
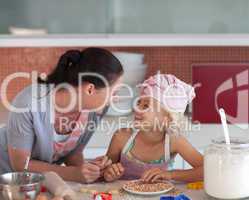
(149,115)
(97,99)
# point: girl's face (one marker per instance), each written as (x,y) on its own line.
(150,115)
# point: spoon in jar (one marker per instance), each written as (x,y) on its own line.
(225,127)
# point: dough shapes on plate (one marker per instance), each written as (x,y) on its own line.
(143,187)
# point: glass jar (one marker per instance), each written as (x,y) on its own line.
(226,169)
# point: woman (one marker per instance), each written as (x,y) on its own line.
(48,130)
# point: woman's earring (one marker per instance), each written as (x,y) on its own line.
(70,64)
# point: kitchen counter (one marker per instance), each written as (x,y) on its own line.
(193,194)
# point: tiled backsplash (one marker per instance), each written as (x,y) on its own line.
(175,60)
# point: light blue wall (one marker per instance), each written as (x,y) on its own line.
(57,16)
(182,16)
(127,16)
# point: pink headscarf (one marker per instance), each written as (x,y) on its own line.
(171,92)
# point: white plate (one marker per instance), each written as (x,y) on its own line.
(149,193)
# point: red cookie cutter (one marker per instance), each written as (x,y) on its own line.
(102,196)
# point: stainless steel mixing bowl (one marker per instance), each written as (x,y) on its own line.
(20,186)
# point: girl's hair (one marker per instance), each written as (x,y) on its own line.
(91,60)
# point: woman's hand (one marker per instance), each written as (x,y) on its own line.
(102,161)
(114,172)
(156,174)
(88,173)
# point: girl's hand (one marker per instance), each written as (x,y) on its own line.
(88,173)
(156,174)
(114,172)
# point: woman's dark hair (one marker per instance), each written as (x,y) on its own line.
(90,60)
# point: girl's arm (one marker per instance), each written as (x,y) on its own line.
(118,141)
(116,170)
(181,146)
(192,156)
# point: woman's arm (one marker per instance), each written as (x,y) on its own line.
(85,173)
(21,138)
(76,158)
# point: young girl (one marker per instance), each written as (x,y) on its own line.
(146,151)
